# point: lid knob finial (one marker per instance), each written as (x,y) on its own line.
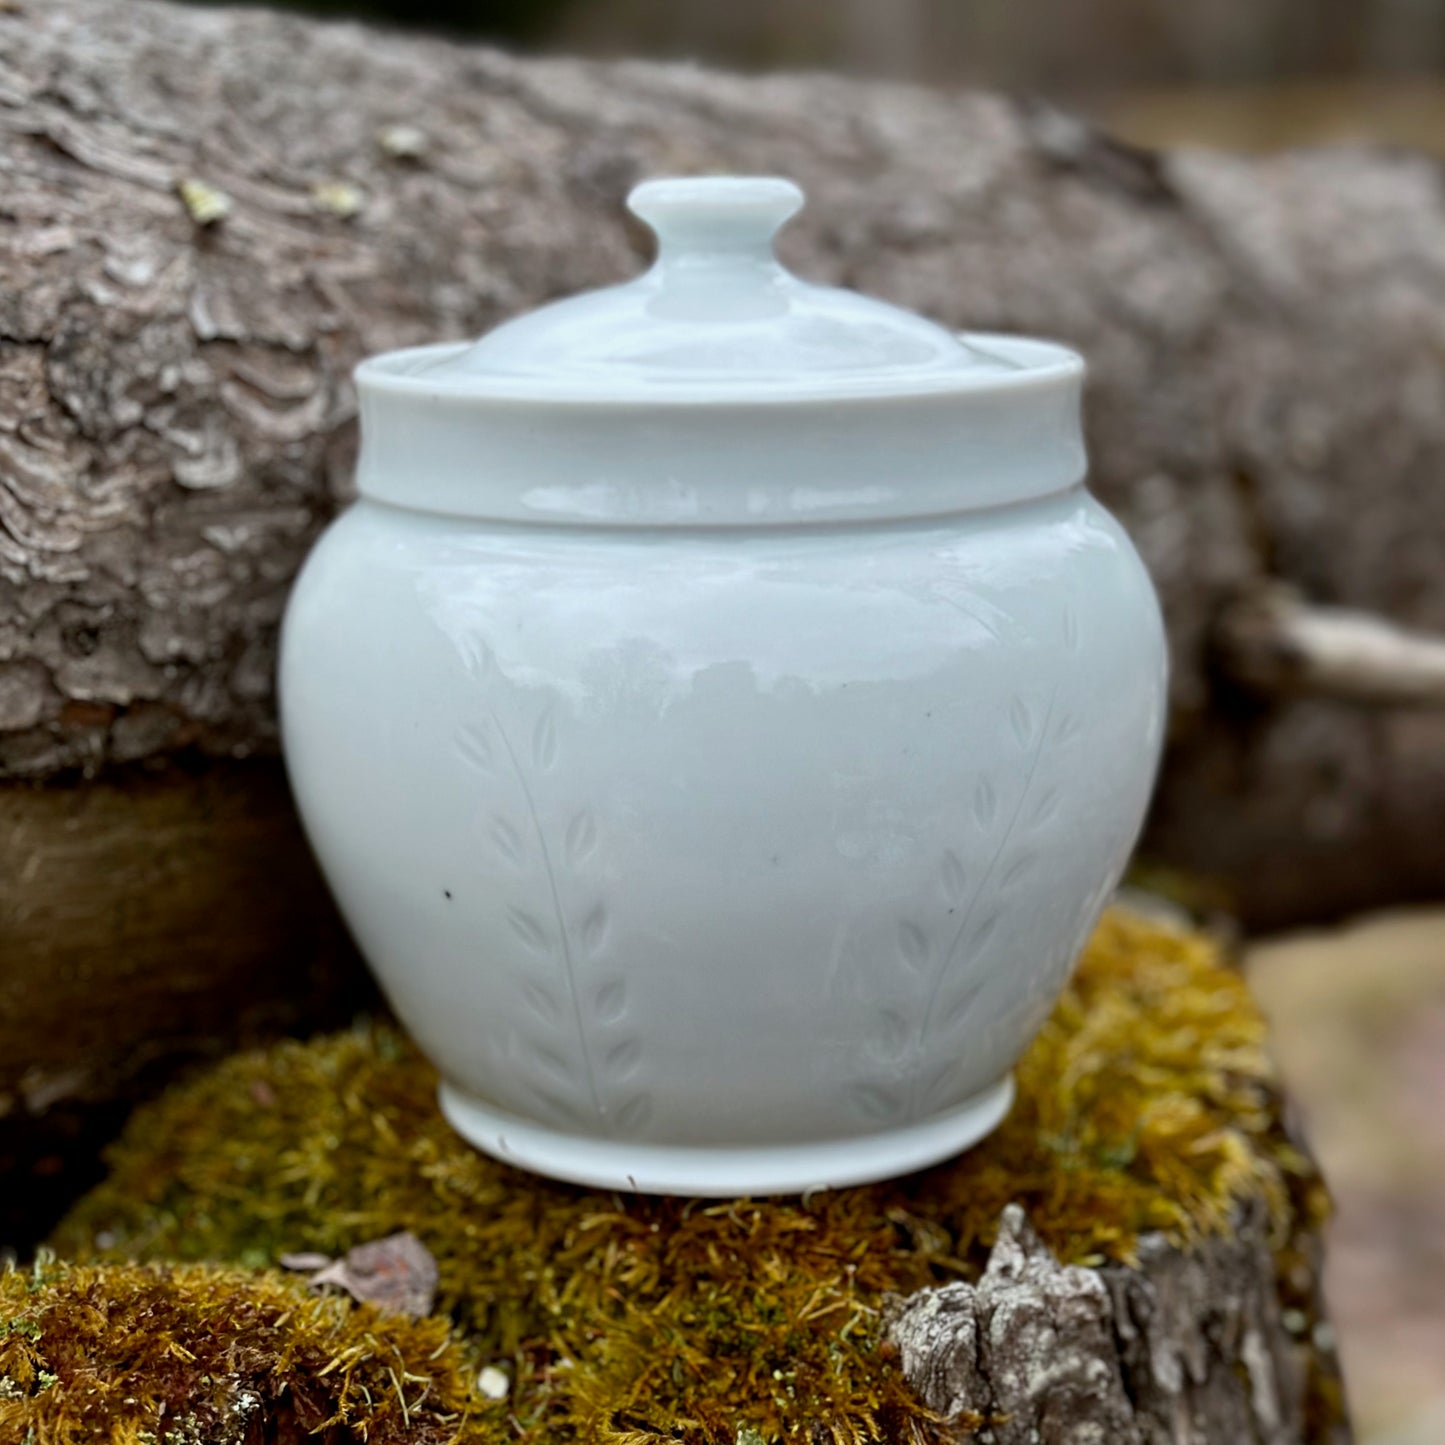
(705,215)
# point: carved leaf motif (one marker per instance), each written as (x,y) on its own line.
(623,1058)
(955,881)
(542,1001)
(476,656)
(891,1037)
(556,1064)
(985,931)
(509,841)
(581,838)
(1071,630)
(954,1001)
(593,932)
(528,929)
(559,1064)
(1021,720)
(611,1001)
(476,748)
(544,740)
(912,945)
(875,1101)
(1018,870)
(1045,808)
(985,803)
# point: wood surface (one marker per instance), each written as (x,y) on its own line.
(147,924)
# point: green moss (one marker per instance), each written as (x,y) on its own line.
(1147,1103)
(179,1355)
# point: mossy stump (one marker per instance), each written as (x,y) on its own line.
(1132,1258)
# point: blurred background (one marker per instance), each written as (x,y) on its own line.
(1359,1009)
(1243,73)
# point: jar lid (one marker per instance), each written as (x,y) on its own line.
(646,383)
(717,315)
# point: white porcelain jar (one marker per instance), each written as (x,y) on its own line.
(723,716)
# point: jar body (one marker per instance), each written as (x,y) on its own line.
(724,860)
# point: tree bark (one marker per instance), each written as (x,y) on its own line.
(1188,1347)
(212,214)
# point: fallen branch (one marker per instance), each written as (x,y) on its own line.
(1276,643)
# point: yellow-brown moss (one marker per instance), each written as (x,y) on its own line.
(1147,1103)
(129,1354)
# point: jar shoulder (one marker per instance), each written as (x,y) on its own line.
(1032,587)
(1051,546)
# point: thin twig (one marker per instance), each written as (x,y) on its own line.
(1276,643)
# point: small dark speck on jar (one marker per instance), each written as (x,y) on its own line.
(446,892)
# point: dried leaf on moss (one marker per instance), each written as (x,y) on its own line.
(396,1273)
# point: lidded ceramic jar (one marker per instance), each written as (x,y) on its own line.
(723,716)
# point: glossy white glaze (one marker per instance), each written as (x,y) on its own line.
(737,834)
(715,318)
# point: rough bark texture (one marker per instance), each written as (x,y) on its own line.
(211,215)
(1192,1347)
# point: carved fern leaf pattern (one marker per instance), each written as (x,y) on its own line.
(964,993)
(955,969)
(579,1056)
(554,1063)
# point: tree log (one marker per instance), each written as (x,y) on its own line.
(212,214)
(148,923)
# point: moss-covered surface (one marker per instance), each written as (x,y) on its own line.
(1147,1103)
(129,1354)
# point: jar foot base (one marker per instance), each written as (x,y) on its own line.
(725,1171)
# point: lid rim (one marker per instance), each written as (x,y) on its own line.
(1039,363)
